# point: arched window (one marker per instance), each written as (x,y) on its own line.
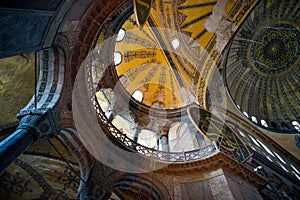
(280,158)
(117,58)
(283,168)
(294,168)
(266,148)
(241,133)
(148,138)
(138,95)
(175,43)
(264,123)
(255,142)
(245,113)
(106,100)
(125,122)
(296,125)
(121,35)
(254,119)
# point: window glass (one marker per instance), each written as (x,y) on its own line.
(148,138)
(264,123)
(254,119)
(121,35)
(266,148)
(138,95)
(175,43)
(117,58)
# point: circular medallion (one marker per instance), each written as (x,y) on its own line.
(276,48)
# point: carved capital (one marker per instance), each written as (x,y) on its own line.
(41,123)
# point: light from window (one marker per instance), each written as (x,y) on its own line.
(121,35)
(269,158)
(254,119)
(264,123)
(117,58)
(294,168)
(255,142)
(241,133)
(296,125)
(175,43)
(283,167)
(298,177)
(280,158)
(253,148)
(148,138)
(138,95)
(266,148)
(246,114)
(238,106)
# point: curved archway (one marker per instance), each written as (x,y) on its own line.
(51,79)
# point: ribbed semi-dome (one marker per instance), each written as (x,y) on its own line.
(262,66)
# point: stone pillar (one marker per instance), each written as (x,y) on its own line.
(164,144)
(34,125)
(13,146)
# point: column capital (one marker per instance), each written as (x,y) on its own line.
(42,123)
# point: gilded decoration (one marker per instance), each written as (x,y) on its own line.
(276,48)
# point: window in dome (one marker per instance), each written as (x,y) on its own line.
(283,168)
(294,168)
(296,125)
(138,95)
(254,119)
(148,138)
(238,106)
(106,100)
(298,177)
(241,133)
(245,113)
(253,148)
(175,43)
(117,58)
(255,142)
(264,123)
(269,159)
(280,158)
(266,148)
(125,122)
(121,35)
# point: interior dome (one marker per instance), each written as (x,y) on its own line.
(262,68)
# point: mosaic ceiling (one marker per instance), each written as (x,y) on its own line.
(171,63)
(262,66)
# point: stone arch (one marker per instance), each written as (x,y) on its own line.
(51,79)
(70,139)
(148,188)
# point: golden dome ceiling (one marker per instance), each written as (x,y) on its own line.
(169,59)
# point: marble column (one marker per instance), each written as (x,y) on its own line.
(34,125)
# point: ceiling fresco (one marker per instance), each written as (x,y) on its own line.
(171,62)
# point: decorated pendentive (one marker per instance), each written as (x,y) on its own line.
(142,10)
